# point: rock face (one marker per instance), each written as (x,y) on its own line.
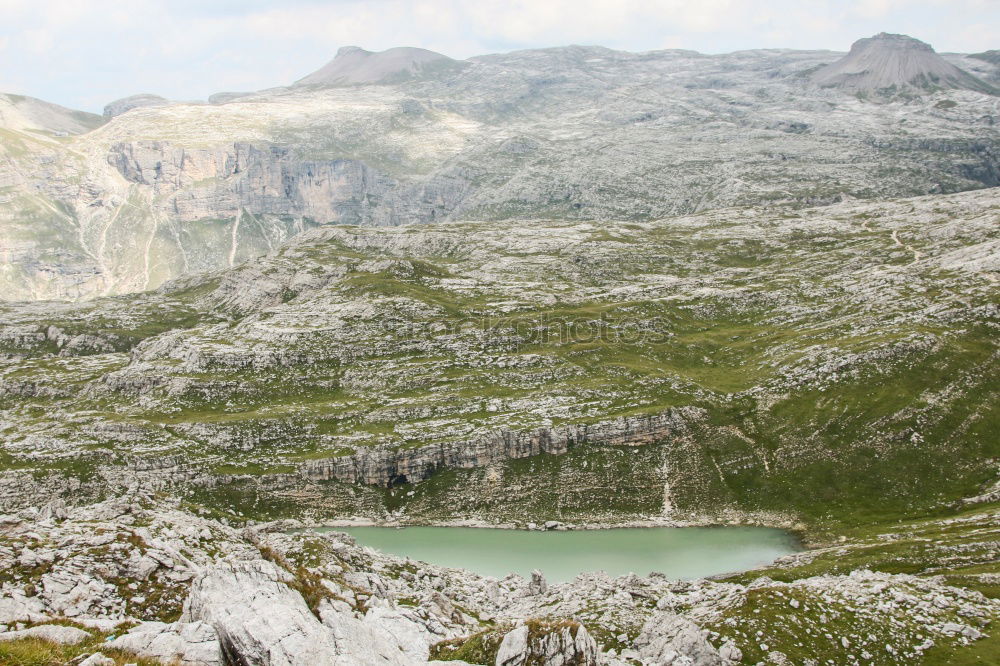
(353,65)
(387,465)
(260,620)
(221,183)
(125,104)
(897,63)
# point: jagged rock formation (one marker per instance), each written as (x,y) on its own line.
(894,64)
(125,104)
(581,133)
(567,645)
(353,65)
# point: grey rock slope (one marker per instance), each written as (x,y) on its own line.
(19,113)
(579,133)
(353,65)
(895,62)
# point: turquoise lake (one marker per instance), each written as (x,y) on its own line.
(677,552)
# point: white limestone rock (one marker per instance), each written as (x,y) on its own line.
(183,643)
(21,609)
(357,642)
(55,633)
(667,638)
(258,618)
(561,645)
(537,586)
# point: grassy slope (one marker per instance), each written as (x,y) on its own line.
(961,547)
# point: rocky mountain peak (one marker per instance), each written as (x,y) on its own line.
(889,40)
(354,65)
(891,63)
(347,50)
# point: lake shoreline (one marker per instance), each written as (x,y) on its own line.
(803,537)
(745,521)
(683,553)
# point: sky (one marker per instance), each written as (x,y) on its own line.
(86,53)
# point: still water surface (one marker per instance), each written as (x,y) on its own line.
(678,552)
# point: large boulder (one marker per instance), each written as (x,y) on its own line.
(382,638)
(668,639)
(54,633)
(21,609)
(182,643)
(259,619)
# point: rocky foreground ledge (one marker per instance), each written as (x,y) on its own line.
(138,579)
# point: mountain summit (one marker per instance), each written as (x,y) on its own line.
(893,62)
(354,65)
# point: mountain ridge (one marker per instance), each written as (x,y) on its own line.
(573,133)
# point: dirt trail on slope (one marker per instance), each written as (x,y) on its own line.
(917,254)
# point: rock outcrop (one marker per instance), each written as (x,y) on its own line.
(387,465)
(667,639)
(565,644)
(220,183)
(258,618)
